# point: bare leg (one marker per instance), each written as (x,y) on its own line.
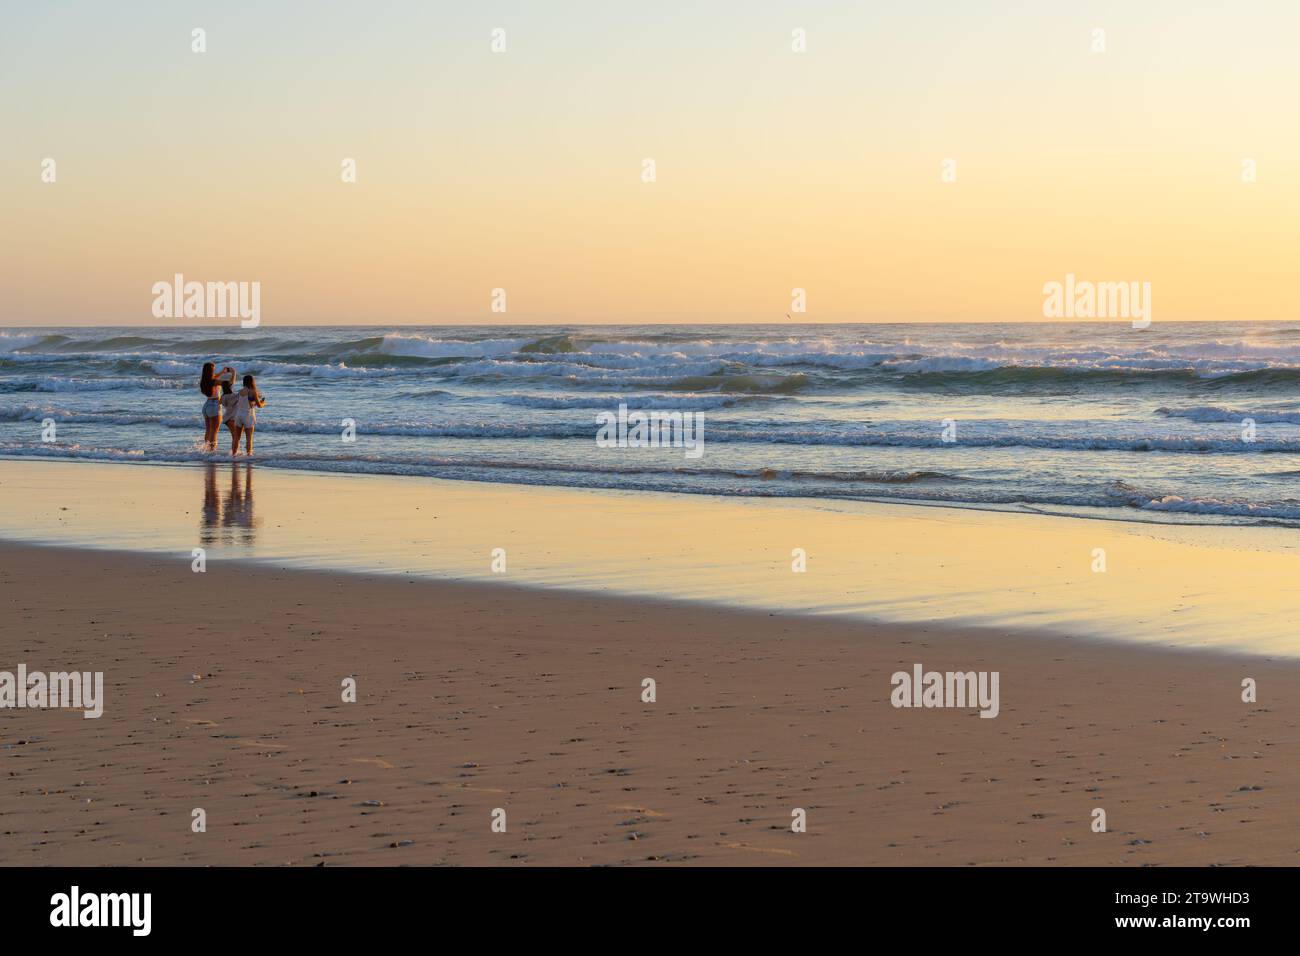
(234,440)
(210,426)
(248,441)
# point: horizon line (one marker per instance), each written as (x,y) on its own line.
(715,322)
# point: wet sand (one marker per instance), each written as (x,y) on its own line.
(1194,587)
(223,693)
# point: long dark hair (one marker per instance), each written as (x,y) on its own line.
(205,380)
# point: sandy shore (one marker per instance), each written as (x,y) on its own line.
(223,693)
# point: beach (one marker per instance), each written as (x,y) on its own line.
(552,436)
(523,691)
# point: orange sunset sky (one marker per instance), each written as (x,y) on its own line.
(522,169)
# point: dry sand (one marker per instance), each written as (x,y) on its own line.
(223,692)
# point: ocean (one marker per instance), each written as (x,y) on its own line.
(1178,422)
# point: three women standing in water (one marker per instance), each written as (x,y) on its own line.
(238,408)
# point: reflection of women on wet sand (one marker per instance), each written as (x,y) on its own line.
(238,512)
(228,520)
(211,503)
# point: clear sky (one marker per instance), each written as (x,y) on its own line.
(522,170)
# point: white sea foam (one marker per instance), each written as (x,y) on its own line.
(1222,413)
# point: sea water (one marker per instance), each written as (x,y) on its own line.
(1177,422)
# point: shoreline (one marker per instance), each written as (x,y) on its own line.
(473,696)
(1111,514)
(1230,588)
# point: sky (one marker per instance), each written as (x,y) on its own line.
(523,170)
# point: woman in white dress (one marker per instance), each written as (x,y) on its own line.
(247,402)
